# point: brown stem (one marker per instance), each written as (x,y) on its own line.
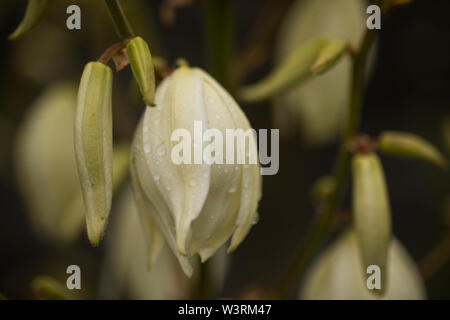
(111,51)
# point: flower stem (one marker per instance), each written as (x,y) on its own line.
(219,32)
(323,221)
(111,51)
(203,290)
(121,23)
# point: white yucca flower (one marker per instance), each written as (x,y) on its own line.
(125,272)
(197,207)
(45,165)
(338,274)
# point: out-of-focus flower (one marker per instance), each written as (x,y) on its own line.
(125,270)
(318,106)
(411,146)
(197,207)
(338,274)
(33,15)
(45,164)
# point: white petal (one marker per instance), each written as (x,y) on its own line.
(184,187)
(251,183)
(151,204)
(216,222)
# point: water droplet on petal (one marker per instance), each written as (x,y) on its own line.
(146,148)
(156,177)
(156,122)
(192,183)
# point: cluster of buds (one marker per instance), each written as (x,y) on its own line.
(196,207)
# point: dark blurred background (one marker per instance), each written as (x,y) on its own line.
(408,90)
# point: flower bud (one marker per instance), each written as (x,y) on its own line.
(371,212)
(305,61)
(338,274)
(412,146)
(93,146)
(33,15)
(197,206)
(303,108)
(142,66)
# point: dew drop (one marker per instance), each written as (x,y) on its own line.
(156,122)
(192,183)
(146,148)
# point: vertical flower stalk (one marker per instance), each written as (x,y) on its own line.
(93,146)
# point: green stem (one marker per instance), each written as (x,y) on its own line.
(121,24)
(323,221)
(219,32)
(204,282)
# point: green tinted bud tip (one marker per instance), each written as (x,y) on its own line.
(142,67)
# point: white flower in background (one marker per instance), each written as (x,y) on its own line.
(318,107)
(45,164)
(125,272)
(197,207)
(338,274)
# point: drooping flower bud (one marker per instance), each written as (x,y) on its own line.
(142,66)
(303,108)
(412,146)
(371,212)
(33,15)
(301,65)
(338,274)
(93,146)
(198,205)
